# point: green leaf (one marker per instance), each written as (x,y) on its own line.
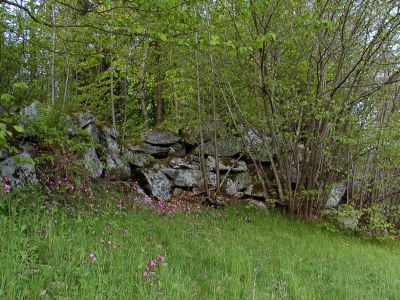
(19,128)
(162,37)
(214,40)
(5,98)
(21,86)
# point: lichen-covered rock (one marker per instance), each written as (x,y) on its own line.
(233,166)
(94,132)
(137,160)
(156,151)
(155,183)
(177,150)
(108,139)
(116,166)
(337,192)
(92,164)
(239,183)
(258,204)
(31,111)
(83,119)
(188,178)
(159,137)
(183,163)
(226,148)
(18,170)
(110,131)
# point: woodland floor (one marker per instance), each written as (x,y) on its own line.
(236,252)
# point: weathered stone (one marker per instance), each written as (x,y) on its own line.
(156,151)
(188,178)
(156,183)
(159,137)
(182,163)
(348,222)
(226,148)
(92,163)
(107,138)
(231,187)
(116,167)
(258,204)
(19,170)
(31,111)
(238,183)
(110,131)
(84,118)
(137,160)
(177,150)
(94,132)
(337,192)
(253,191)
(69,126)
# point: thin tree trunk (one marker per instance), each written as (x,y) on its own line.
(160,100)
(143,84)
(53,58)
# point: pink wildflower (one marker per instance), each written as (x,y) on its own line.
(145,274)
(151,265)
(160,258)
(93,256)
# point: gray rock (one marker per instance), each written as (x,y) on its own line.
(18,169)
(92,163)
(156,151)
(137,160)
(69,126)
(239,183)
(83,119)
(156,183)
(116,166)
(177,150)
(182,163)
(110,131)
(159,137)
(258,204)
(337,192)
(234,166)
(231,187)
(188,178)
(94,132)
(253,191)
(107,138)
(226,148)
(31,111)
(348,222)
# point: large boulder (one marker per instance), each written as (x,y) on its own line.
(188,178)
(337,192)
(155,183)
(226,148)
(30,112)
(159,137)
(18,170)
(239,183)
(108,137)
(116,166)
(83,119)
(137,160)
(93,132)
(156,151)
(177,150)
(92,163)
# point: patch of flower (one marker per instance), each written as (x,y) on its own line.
(6,186)
(150,271)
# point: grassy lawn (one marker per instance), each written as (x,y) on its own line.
(232,253)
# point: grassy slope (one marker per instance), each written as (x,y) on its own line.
(209,255)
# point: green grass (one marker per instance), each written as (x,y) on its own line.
(213,254)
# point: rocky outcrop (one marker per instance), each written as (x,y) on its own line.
(155,183)
(18,170)
(159,137)
(337,192)
(92,163)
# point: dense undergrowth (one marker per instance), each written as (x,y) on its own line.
(102,247)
